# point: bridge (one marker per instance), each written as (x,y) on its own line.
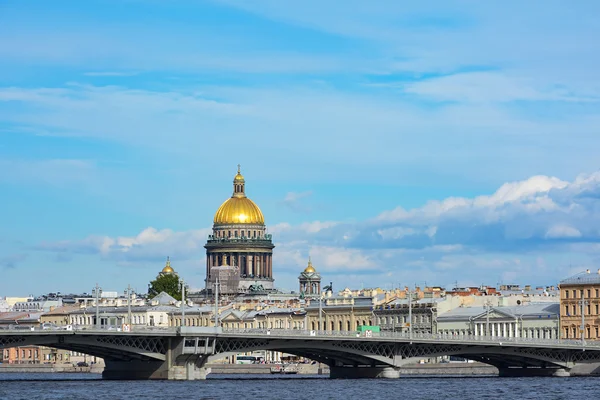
(182,353)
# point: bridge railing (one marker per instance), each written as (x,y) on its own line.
(437,337)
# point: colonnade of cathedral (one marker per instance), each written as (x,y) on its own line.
(251,264)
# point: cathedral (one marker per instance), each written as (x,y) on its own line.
(239,252)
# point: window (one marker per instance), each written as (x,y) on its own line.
(596,292)
(597,309)
(574,309)
(596,331)
(236,233)
(242,234)
(574,294)
(566,294)
(589,309)
(589,294)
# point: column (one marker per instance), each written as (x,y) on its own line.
(475,330)
(504,329)
(249,265)
(270,265)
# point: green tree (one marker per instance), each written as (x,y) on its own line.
(168,283)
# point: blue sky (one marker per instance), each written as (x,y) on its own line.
(396,143)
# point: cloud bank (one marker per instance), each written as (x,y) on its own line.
(521,231)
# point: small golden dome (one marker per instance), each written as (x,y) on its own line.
(238,177)
(167,269)
(310,268)
(239,209)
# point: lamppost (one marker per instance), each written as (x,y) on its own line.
(128,292)
(410,329)
(321,313)
(216,303)
(583,303)
(182,283)
(487,317)
(97,291)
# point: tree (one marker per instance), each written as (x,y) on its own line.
(168,283)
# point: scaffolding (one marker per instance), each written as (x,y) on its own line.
(228,278)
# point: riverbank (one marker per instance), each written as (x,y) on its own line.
(457,369)
(463,369)
(47,368)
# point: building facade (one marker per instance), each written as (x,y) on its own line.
(534,321)
(580,306)
(239,240)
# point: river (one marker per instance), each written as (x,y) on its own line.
(15,386)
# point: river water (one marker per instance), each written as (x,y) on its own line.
(234,387)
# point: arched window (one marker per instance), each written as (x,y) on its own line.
(332,326)
(340,325)
(312,325)
(348,325)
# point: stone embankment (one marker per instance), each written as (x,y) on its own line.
(459,369)
(313,369)
(49,368)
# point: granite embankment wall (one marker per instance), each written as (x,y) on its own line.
(37,368)
(418,369)
(304,369)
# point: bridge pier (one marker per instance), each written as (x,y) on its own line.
(135,370)
(188,372)
(364,372)
(526,372)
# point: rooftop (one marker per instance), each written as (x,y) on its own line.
(585,277)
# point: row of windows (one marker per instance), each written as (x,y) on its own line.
(251,234)
(574,333)
(581,292)
(341,326)
(531,333)
(416,319)
(575,309)
(23,353)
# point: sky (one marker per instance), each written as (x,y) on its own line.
(395,143)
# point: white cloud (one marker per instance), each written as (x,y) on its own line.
(56,172)
(561,232)
(489,87)
(512,231)
(296,201)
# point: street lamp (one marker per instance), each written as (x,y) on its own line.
(217,284)
(182,283)
(583,303)
(97,291)
(128,292)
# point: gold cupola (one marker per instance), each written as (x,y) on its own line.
(310,268)
(239,209)
(167,269)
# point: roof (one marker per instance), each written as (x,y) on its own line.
(582,278)
(163,298)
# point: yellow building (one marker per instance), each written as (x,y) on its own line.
(580,306)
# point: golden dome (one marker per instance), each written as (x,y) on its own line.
(310,268)
(239,209)
(167,269)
